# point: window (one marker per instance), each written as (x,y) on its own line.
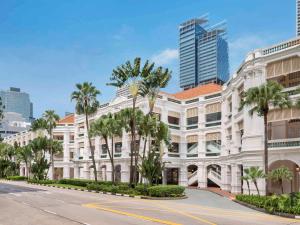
(213,117)
(71,155)
(213,144)
(104,149)
(173,120)
(174,148)
(192,120)
(118,147)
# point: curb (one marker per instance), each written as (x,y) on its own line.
(286,215)
(92,191)
(163,198)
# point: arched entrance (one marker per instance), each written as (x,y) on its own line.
(118,173)
(192,175)
(288,185)
(214,175)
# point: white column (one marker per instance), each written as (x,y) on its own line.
(66,170)
(76,171)
(235,179)
(202,176)
(86,171)
(66,147)
(183,176)
(226,178)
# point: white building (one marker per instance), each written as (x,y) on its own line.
(64,132)
(213,140)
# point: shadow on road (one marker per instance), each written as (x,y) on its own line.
(10,188)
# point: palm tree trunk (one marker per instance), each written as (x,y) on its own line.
(255,183)
(90,146)
(112,161)
(51,154)
(266,159)
(248,187)
(26,165)
(52,164)
(133,145)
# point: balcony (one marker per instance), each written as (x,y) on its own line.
(284,143)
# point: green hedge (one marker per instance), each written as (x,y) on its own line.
(82,182)
(42,181)
(287,203)
(120,188)
(166,191)
(16,178)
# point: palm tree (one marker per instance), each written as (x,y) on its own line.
(246,178)
(25,155)
(48,123)
(39,147)
(50,118)
(280,174)
(151,86)
(87,104)
(132,75)
(261,99)
(253,174)
(108,126)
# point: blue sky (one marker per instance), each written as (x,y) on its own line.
(46,46)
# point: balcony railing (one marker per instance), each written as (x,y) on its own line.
(284,143)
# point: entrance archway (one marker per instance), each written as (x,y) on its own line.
(214,175)
(288,186)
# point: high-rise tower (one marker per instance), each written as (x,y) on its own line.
(298,17)
(203,53)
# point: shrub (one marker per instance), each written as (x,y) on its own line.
(166,191)
(142,189)
(16,178)
(275,203)
(82,182)
(75,182)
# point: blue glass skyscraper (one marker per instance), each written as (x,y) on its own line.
(203,53)
(16,101)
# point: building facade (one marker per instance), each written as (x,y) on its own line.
(213,140)
(203,53)
(64,132)
(19,102)
(298,17)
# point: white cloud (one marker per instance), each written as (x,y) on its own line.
(123,32)
(165,57)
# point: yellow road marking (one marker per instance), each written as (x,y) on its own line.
(186,214)
(94,206)
(242,214)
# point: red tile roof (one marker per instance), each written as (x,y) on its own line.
(198,91)
(69,119)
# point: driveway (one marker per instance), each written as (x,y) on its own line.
(25,204)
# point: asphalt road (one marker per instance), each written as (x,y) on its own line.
(24,204)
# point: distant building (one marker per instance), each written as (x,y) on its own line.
(203,53)
(18,112)
(298,17)
(13,123)
(19,102)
